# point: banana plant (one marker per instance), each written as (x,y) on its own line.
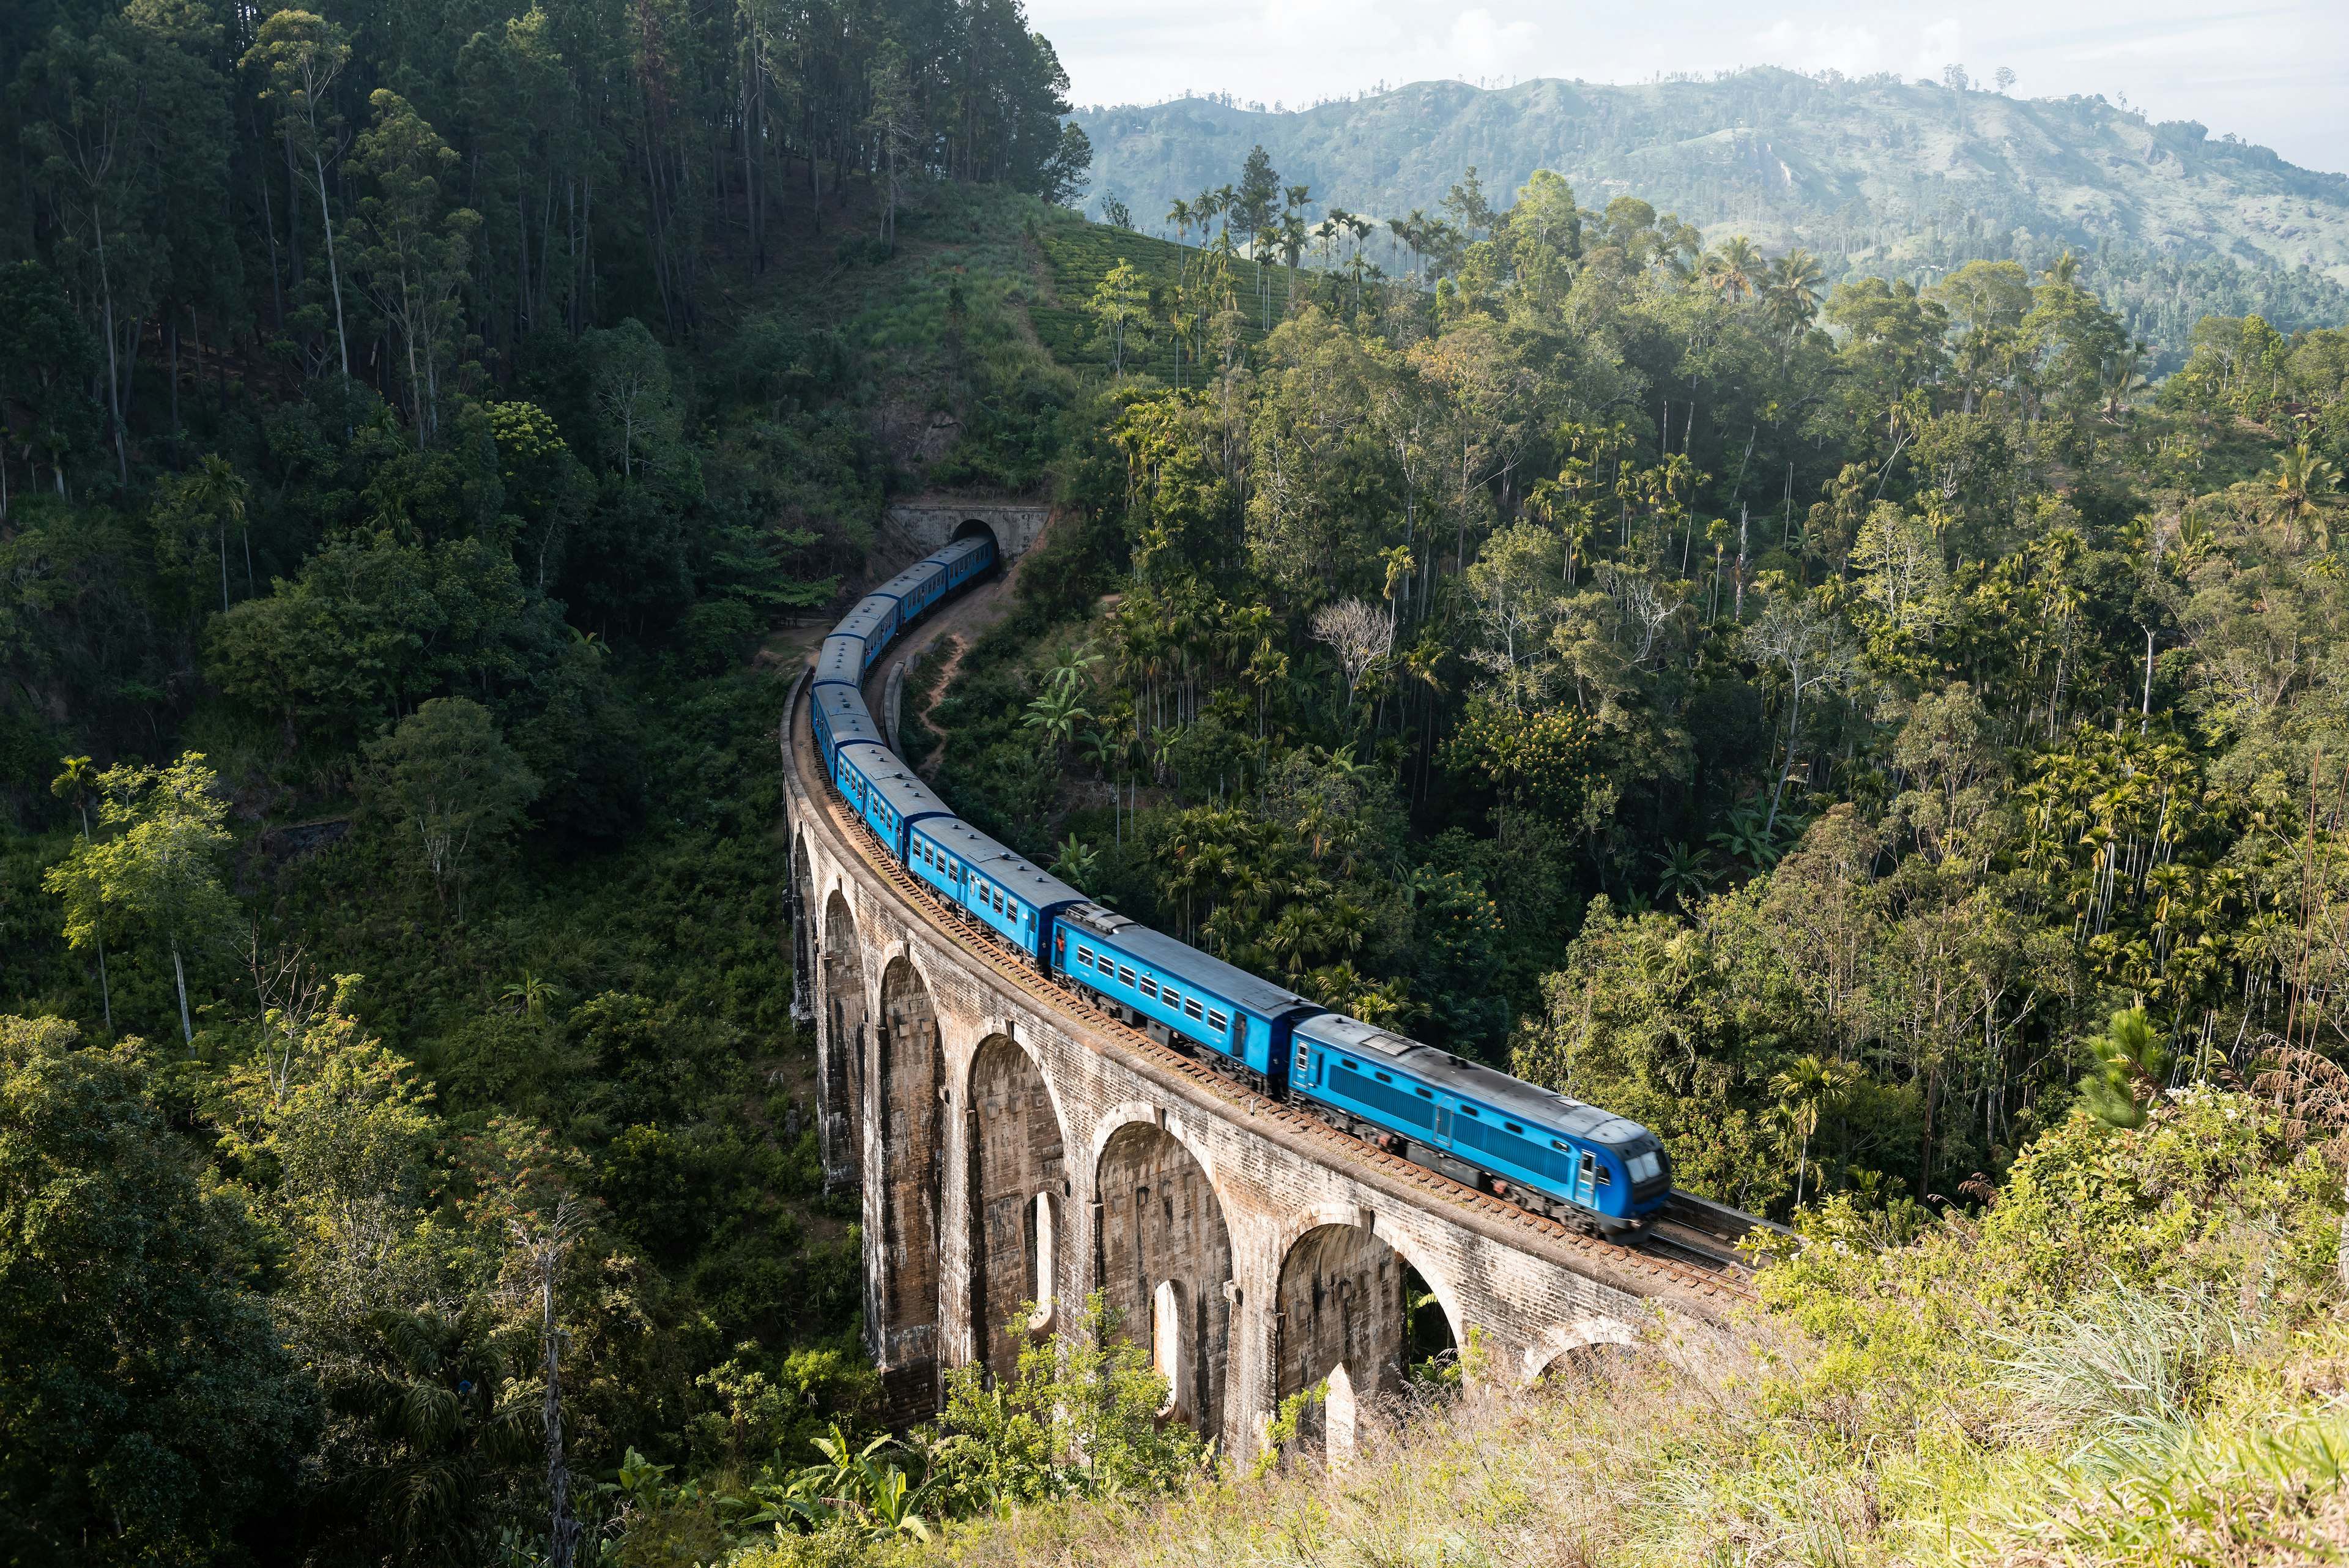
(860,1488)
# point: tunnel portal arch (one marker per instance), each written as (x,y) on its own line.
(974,528)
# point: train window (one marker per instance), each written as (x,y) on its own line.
(1216,1022)
(1191,1007)
(1124,975)
(1031,919)
(1384,1078)
(1606,1177)
(1471,1111)
(1427,1093)
(1149,987)
(1512,1127)
(1085,956)
(1561,1146)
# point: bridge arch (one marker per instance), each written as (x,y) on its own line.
(1568,1342)
(803,941)
(903,1274)
(841,1015)
(1342,1312)
(1018,1194)
(1161,1248)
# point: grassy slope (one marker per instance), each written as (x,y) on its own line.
(1081,254)
(2136,1356)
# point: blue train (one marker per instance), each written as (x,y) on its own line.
(1543,1150)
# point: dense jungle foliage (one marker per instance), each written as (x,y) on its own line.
(1797,719)
(414,427)
(1841,727)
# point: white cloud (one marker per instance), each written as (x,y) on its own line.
(1856,51)
(1940,45)
(1482,46)
(1316,24)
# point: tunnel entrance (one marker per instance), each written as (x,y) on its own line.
(972,528)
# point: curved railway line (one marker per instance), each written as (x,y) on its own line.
(1690,1248)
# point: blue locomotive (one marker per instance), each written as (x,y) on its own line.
(1543,1150)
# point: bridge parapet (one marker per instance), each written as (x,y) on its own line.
(1014,1145)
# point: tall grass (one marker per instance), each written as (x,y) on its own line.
(2138,1356)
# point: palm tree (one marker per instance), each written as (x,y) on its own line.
(2120,378)
(2303,483)
(1809,1085)
(217,488)
(1749,836)
(1179,214)
(1794,289)
(529,995)
(75,786)
(1733,270)
(1687,873)
(445,1422)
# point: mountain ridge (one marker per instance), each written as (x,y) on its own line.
(1876,173)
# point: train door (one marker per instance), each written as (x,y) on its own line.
(1444,1124)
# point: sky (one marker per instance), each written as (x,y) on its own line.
(2272,74)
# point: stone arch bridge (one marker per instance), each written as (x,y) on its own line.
(1012,1144)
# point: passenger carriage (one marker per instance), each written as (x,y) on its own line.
(1010,898)
(1552,1150)
(873,623)
(886,794)
(841,662)
(1243,1019)
(915,588)
(841,719)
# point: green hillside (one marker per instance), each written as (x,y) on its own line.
(1877,175)
(1082,254)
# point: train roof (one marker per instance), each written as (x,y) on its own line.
(1039,887)
(961,549)
(846,716)
(1481,1084)
(910,580)
(897,784)
(841,660)
(862,621)
(1236,985)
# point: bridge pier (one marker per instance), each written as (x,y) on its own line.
(1009,1142)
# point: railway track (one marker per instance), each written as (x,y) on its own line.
(1693,1244)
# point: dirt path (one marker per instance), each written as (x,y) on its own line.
(964,620)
